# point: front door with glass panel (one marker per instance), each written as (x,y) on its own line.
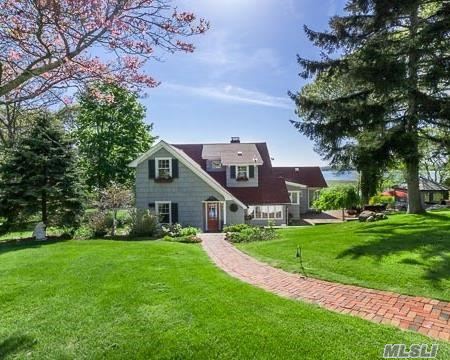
(212,211)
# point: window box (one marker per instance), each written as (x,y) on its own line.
(242,178)
(164,179)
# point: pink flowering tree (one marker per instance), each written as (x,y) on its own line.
(47,46)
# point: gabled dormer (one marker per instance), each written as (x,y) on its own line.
(239,161)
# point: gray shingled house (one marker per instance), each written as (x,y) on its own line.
(213,185)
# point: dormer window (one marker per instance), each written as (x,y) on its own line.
(242,173)
(163,168)
(216,164)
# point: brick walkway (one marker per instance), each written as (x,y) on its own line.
(427,316)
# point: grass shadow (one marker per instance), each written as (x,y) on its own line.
(27,243)
(427,237)
(14,344)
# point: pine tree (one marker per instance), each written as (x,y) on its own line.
(396,58)
(40,176)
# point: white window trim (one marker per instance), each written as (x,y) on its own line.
(157,160)
(157,203)
(217,161)
(298,197)
(274,218)
(192,165)
(247,171)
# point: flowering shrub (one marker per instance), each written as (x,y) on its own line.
(236,228)
(176,230)
(252,233)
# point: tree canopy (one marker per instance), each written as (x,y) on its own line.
(46,46)
(111,132)
(393,57)
(40,176)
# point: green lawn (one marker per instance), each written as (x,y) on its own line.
(409,254)
(153,299)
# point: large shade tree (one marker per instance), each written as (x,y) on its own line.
(40,177)
(48,45)
(396,56)
(111,132)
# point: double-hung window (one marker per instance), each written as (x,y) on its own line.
(242,172)
(163,210)
(163,168)
(295,197)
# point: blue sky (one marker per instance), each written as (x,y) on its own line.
(236,82)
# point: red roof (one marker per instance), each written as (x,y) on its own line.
(398,193)
(310,176)
(271,189)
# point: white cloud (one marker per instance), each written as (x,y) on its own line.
(224,55)
(234,94)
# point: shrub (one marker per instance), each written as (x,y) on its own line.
(252,233)
(83,232)
(100,223)
(381,200)
(176,230)
(187,239)
(143,223)
(123,219)
(236,228)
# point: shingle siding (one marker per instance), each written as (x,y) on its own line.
(303,207)
(188,191)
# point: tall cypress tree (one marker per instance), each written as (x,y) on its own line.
(396,57)
(40,176)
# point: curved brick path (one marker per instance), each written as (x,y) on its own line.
(427,316)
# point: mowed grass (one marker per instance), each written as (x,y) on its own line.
(158,300)
(409,254)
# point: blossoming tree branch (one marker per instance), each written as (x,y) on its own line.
(46,45)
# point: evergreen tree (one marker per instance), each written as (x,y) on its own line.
(111,133)
(359,147)
(395,56)
(40,176)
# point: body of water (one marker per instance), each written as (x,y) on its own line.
(331,175)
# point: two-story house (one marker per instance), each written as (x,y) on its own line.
(213,185)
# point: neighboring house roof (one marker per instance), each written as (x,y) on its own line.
(310,176)
(271,189)
(191,164)
(427,185)
(232,154)
(398,193)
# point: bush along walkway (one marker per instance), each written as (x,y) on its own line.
(427,316)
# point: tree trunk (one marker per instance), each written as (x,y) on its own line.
(44,207)
(113,232)
(44,199)
(343,214)
(412,157)
(415,205)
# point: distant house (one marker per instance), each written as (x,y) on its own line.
(213,185)
(431,191)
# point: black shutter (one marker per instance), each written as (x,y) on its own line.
(233,172)
(151,169)
(174,213)
(151,206)
(251,171)
(175,168)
